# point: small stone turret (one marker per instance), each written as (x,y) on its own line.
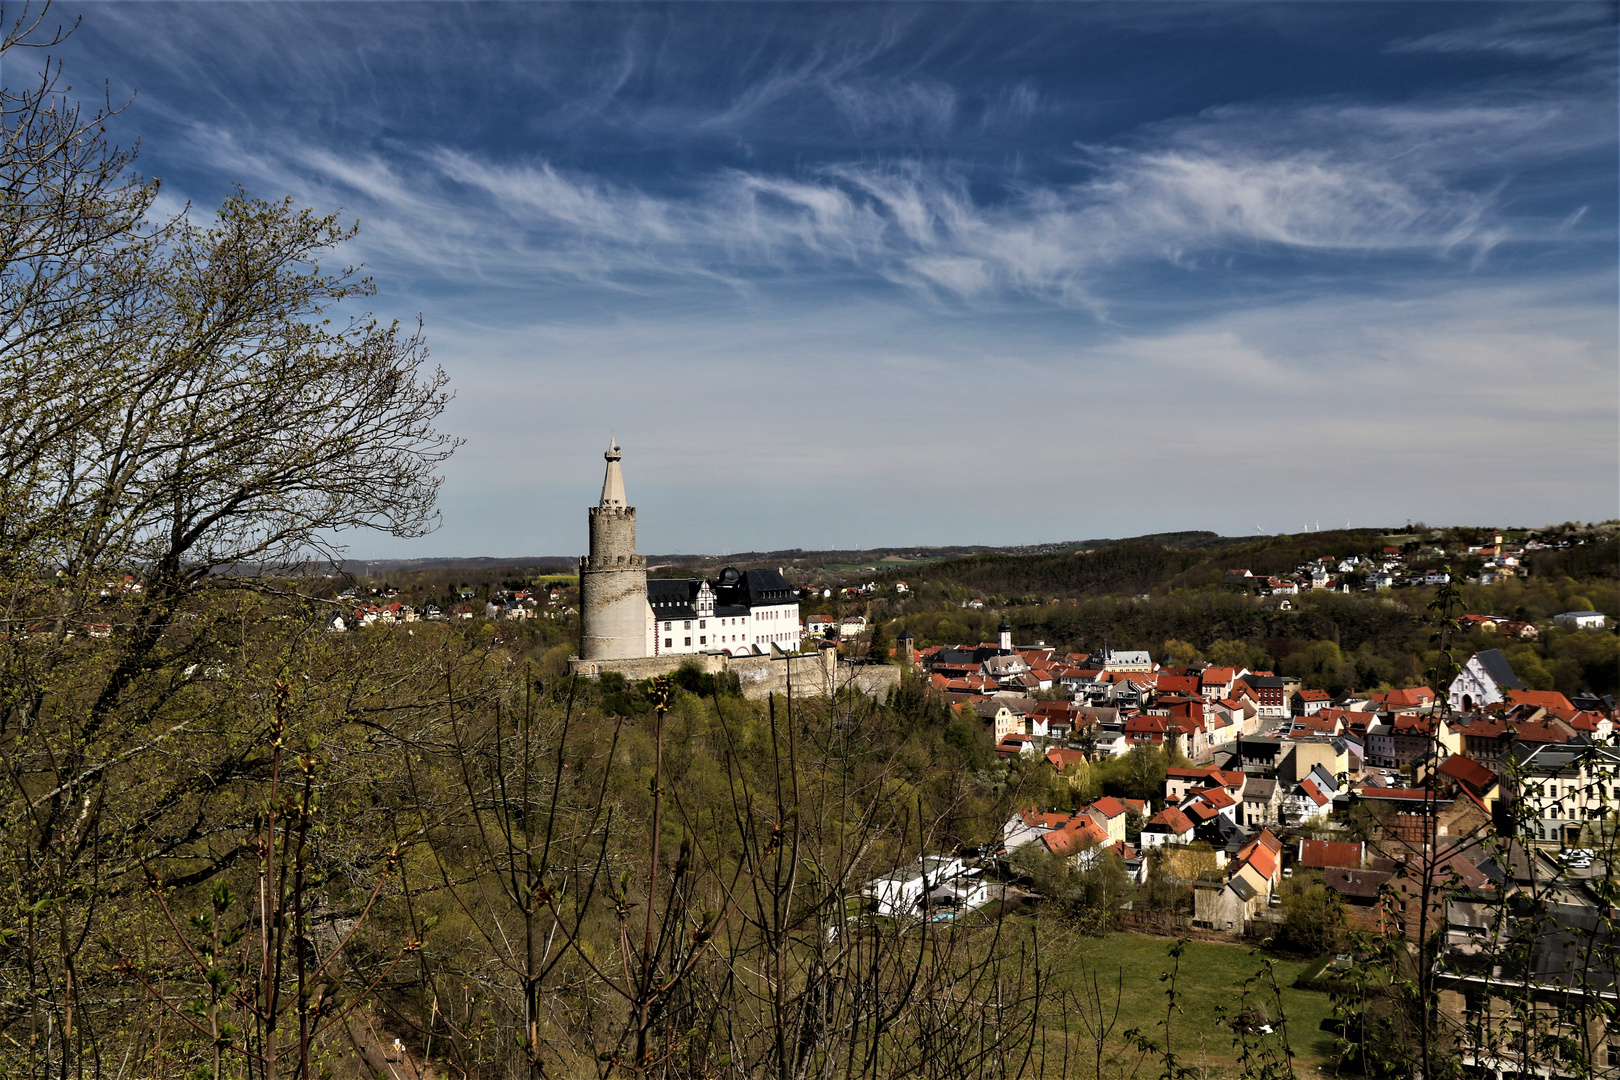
(613,578)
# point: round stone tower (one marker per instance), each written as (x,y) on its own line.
(613,578)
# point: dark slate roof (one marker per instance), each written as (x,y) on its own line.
(1557,758)
(1359,884)
(1569,951)
(965,656)
(1217,830)
(1497,667)
(672,598)
(1256,787)
(1242,888)
(736,593)
(752,588)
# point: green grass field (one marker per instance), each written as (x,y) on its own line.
(1210,975)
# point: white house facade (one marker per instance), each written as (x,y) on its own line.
(742,612)
(1483,681)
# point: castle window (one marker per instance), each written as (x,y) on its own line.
(703,640)
(703,624)
(669,643)
(689,641)
(688,626)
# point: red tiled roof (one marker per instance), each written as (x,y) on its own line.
(1533,731)
(1109,806)
(1217,797)
(1260,853)
(1175,819)
(1012,745)
(1314,695)
(1061,759)
(1182,684)
(1416,695)
(1470,772)
(1397,794)
(1320,854)
(1078,832)
(1037,819)
(1582,721)
(1199,811)
(1314,793)
(1547,699)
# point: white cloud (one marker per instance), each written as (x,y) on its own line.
(1323,178)
(1534,30)
(886,424)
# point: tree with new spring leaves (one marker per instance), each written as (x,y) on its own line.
(183,397)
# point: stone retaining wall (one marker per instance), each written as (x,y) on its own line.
(803,675)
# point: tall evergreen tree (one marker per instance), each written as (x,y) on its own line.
(878,646)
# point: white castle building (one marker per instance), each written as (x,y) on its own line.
(625,616)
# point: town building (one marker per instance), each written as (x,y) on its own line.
(1483,681)
(1563,793)
(1582,620)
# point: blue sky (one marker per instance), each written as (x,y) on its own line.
(866,274)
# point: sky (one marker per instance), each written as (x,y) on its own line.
(857,275)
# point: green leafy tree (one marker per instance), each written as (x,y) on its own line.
(1182,653)
(1313,917)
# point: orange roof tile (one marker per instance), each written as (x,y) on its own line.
(1466,769)
(1109,806)
(1547,699)
(1321,854)
(1178,822)
(1217,797)
(1261,853)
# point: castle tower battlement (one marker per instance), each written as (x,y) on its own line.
(612,578)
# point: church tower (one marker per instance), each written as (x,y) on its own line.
(613,578)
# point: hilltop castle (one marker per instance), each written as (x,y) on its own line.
(625,617)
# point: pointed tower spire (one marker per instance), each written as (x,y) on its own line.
(613,482)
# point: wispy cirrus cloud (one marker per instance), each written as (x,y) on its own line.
(1556,32)
(1266,223)
(1235,182)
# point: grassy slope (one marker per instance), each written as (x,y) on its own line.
(1211,975)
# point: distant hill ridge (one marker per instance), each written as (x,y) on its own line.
(871,556)
(1128,565)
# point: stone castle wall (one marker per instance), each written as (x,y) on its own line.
(612,537)
(805,675)
(613,587)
